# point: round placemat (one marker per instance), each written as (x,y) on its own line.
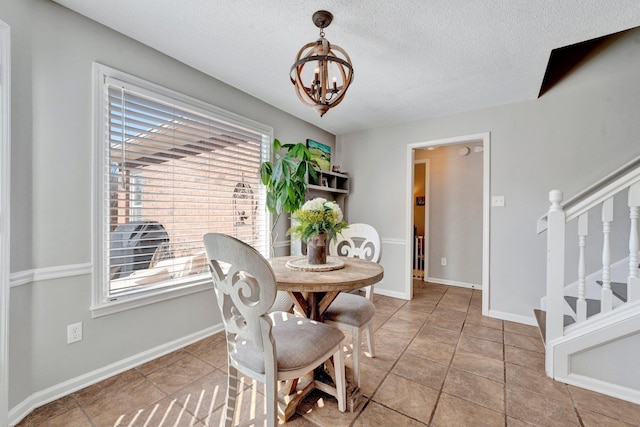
(302,264)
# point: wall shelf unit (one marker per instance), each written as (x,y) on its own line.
(332,182)
(331,186)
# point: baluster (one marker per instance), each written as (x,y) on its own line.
(555,269)
(633,282)
(607,216)
(583,231)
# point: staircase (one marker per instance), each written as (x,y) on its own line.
(590,317)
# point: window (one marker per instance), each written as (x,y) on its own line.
(168,170)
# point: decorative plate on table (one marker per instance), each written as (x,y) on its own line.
(302,264)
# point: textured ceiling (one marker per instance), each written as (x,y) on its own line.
(412,59)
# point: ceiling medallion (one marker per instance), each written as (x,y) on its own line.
(326,67)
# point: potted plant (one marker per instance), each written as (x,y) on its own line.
(286,179)
(317,221)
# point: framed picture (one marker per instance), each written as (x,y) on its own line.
(420,201)
(321,154)
(324,182)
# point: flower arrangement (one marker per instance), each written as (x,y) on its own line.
(318,216)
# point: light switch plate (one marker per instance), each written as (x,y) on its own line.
(497,201)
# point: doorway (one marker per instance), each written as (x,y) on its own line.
(421,205)
(455,262)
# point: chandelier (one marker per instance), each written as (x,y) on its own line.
(326,67)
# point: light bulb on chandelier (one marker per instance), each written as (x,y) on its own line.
(324,91)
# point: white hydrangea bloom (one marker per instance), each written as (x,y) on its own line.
(335,207)
(314,204)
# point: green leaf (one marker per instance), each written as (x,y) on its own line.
(286,176)
(286,172)
(266,170)
(313,175)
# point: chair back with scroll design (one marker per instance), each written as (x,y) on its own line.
(358,241)
(245,292)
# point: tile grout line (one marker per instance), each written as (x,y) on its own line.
(453,355)
(395,363)
(93,424)
(370,399)
(455,352)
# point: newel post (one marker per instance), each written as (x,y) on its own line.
(555,267)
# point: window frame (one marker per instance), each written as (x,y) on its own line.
(102,302)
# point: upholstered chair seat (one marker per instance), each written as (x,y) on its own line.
(299,341)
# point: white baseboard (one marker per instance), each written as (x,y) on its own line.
(388,293)
(517,318)
(613,390)
(453,283)
(39,398)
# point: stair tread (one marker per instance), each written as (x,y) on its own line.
(619,289)
(593,305)
(541,319)
(568,320)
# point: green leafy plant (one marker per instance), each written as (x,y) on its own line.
(286,178)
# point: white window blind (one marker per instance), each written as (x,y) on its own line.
(173,172)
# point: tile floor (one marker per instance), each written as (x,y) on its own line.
(439,362)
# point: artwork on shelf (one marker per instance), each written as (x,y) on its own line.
(321,154)
(420,201)
(324,182)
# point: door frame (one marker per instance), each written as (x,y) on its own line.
(485,138)
(5,168)
(427,204)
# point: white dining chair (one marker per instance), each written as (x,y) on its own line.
(349,311)
(267,347)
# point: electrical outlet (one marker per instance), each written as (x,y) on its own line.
(443,261)
(74,333)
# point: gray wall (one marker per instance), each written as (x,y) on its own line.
(579,131)
(455,214)
(52,54)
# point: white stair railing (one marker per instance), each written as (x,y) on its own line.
(633,282)
(606,301)
(554,223)
(583,231)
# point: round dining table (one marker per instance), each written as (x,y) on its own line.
(313,291)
